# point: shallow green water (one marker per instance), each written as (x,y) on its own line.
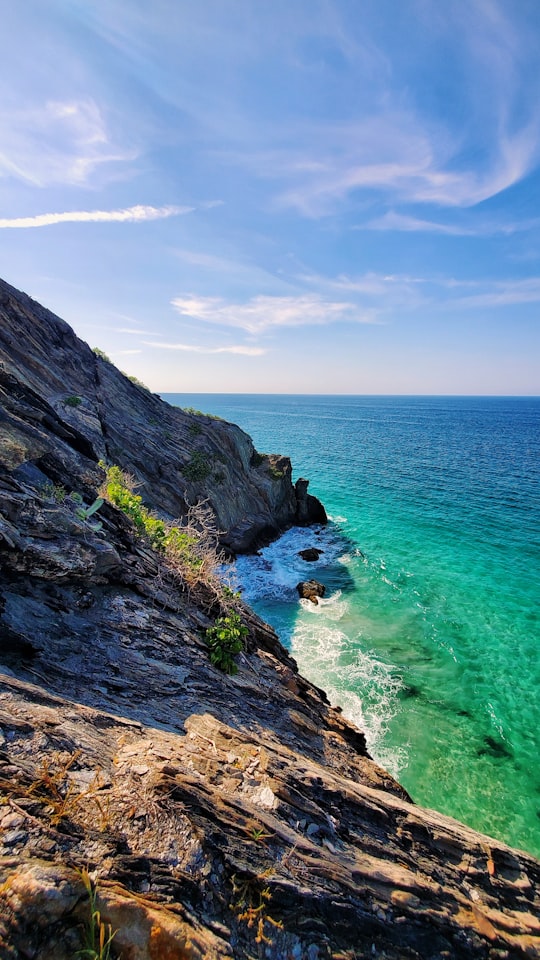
(429,633)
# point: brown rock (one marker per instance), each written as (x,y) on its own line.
(310,590)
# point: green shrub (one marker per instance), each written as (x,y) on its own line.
(72,401)
(163,537)
(137,382)
(226,639)
(198,467)
(101,354)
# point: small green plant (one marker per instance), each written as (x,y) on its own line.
(84,513)
(259,834)
(101,354)
(195,429)
(54,491)
(72,401)
(276,474)
(257,458)
(137,382)
(98,936)
(198,468)
(226,639)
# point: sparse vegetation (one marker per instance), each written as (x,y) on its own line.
(199,413)
(98,936)
(257,458)
(190,550)
(137,382)
(73,401)
(54,491)
(251,904)
(101,354)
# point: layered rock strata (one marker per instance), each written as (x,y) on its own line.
(213,816)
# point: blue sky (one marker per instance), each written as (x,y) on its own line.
(298,196)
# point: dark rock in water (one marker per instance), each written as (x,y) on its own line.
(311,590)
(309,509)
(310,554)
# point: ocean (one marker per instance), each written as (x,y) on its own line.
(428,636)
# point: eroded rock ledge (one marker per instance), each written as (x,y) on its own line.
(220,817)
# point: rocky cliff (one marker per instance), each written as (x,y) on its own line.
(147,795)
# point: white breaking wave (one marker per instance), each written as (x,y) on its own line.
(326,638)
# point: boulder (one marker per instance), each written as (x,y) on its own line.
(310,590)
(310,554)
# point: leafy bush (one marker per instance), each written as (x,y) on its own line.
(198,468)
(72,401)
(226,639)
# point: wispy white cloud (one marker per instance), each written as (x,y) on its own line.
(503,293)
(401,156)
(137,214)
(397,221)
(403,223)
(58,142)
(192,348)
(266,312)
(137,331)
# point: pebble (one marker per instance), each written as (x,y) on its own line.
(12,837)
(12,820)
(140,768)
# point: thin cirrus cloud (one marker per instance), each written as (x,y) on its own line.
(400,222)
(191,348)
(263,313)
(136,214)
(59,142)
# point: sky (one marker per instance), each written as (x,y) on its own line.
(280,196)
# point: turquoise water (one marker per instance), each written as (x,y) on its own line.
(428,636)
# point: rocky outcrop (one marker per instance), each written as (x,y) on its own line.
(310,590)
(210,816)
(64,408)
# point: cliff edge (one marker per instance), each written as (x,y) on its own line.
(145,795)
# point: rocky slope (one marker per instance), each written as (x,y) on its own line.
(218,816)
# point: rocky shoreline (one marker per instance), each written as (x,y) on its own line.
(202,814)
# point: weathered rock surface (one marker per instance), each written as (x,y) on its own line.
(220,816)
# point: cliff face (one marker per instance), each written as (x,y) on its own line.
(219,816)
(66,408)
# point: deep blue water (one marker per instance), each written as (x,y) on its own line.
(429,636)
